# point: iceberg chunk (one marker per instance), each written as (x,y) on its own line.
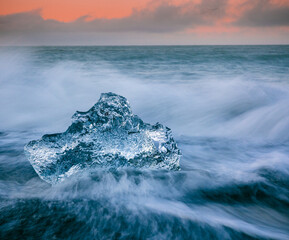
(109,135)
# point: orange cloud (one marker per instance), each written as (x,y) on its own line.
(164,19)
(68,10)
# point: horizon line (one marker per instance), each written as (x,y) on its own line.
(142,45)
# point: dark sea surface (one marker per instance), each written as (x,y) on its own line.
(227,106)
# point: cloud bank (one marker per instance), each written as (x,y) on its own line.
(264,13)
(164,20)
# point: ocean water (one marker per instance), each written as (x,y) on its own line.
(227,106)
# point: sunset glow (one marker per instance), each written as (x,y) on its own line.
(67,10)
(177,16)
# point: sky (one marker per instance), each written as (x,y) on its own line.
(143,22)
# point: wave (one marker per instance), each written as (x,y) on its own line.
(232,133)
(125,204)
(43,97)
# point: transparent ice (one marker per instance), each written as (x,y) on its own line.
(109,135)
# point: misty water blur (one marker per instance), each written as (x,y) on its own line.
(226,105)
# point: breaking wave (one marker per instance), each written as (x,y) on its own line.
(232,131)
